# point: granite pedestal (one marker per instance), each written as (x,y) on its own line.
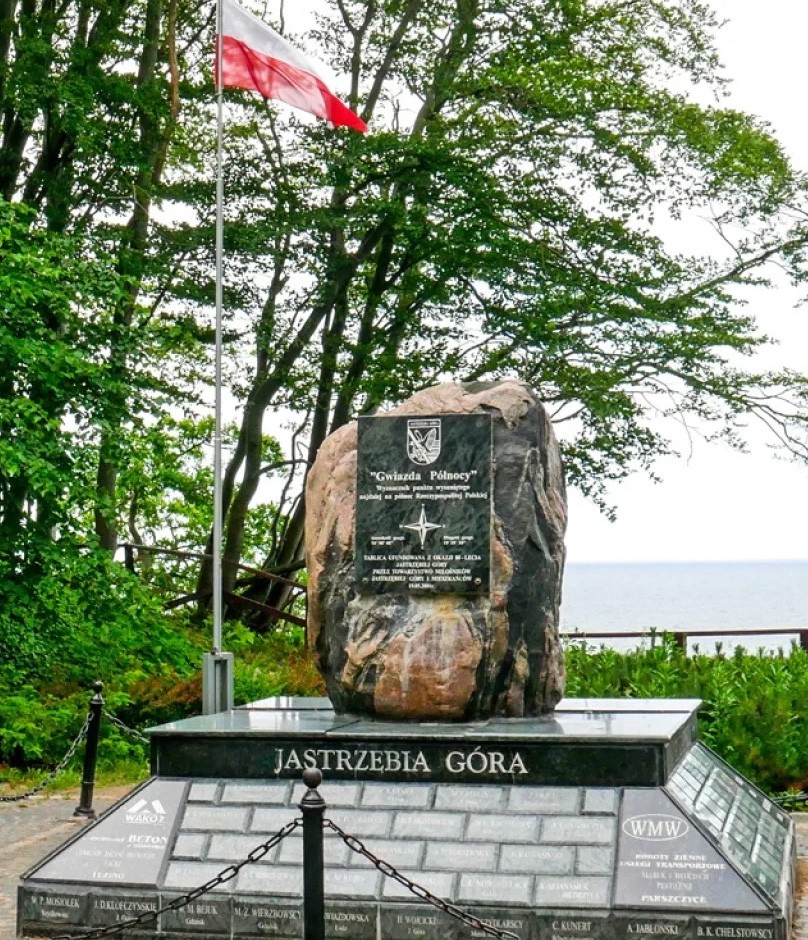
(608,820)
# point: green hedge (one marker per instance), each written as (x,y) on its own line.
(754,712)
(755,706)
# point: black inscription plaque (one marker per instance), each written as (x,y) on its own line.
(208,915)
(350,922)
(664,862)
(423,511)
(262,917)
(125,847)
(117,907)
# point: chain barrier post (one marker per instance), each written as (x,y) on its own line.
(313,806)
(85,807)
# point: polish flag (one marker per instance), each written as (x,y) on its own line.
(258,59)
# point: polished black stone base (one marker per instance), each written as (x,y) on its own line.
(582,854)
(603,742)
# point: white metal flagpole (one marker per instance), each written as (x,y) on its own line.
(217,673)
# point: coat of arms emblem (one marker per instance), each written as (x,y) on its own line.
(423,440)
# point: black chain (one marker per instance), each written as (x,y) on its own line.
(225,875)
(125,728)
(56,770)
(418,890)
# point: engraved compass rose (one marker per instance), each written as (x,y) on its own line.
(422,527)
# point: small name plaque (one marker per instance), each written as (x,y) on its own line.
(423,509)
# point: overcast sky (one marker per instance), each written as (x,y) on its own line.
(719,505)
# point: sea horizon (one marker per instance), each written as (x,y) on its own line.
(742,596)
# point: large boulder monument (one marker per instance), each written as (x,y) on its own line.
(435,552)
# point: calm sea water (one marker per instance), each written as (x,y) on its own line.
(743,596)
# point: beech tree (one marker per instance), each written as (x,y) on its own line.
(505,217)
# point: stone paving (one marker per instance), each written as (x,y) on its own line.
(29,830)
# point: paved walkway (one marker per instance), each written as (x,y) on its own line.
(29,830)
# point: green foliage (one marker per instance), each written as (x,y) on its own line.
(755,707)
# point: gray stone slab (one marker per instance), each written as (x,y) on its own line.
(439,883)
(352,882)
(594,860)
(494,889)
(544,800)
(600,801)
(397,795)
(431,825)
(363,822)
(469,797)
(232,847)
(270,791)
(203,792)
(221,818)
(572,891)
(271,819)
(271,880)
(461,856)
(400,853)
(334,792)
(261,917)
(664,862)
(208,916)
(498,827)
(335,851)
(550,859)
(190,845)
(193,874)
(578,830)
(127,846)
(350,921)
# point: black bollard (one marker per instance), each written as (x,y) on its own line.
(312,806)
(85,807)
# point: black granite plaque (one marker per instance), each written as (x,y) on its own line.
(571,924)
(655,927)
(472,760)
(418,922)
(261,917)
(665,862)
(735,928)
(514,921)
(351,921)
(50,905)
(208,916)
(423,511)
(127,846)
(118,906)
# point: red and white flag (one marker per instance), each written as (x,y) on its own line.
(258,59)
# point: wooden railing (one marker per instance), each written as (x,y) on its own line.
(681,637)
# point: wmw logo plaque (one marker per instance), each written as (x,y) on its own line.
(423,504)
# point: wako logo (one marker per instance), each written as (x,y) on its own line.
(655,827)
(145,812)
